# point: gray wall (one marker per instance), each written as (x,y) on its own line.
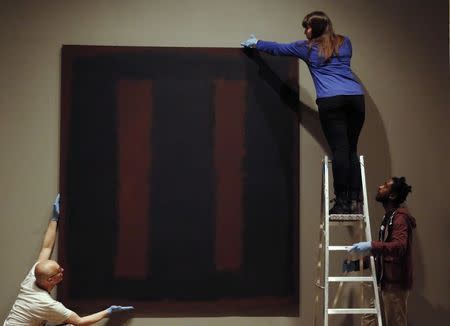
(400,55)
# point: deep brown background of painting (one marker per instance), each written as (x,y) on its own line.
(237,176)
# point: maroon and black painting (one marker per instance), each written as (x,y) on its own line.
(179,181)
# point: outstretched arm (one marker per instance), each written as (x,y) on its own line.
(299,49)
(50,234)
(76,320)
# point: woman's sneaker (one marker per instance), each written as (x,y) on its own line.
(356,203)
(341,205)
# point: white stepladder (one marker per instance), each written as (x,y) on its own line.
(323,265)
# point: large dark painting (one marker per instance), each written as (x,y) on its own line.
(179,181)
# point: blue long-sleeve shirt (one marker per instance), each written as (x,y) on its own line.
(330,78)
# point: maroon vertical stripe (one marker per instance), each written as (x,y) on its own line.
(134,116)
(229,151)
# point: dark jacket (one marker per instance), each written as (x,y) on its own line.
(393,251)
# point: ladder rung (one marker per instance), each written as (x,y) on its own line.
(346,217)
(339,248)
(350,279)
(353,311)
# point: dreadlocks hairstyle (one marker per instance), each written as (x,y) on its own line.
(323,34)
(401,188)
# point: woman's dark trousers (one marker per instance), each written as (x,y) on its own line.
(342,118)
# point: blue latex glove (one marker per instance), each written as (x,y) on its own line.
(251,42)
(350,266)
(361,247)
(55,215)
(119,308)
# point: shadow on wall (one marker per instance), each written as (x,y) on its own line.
(373,142)
(307,116)
(420,310)
(374,145)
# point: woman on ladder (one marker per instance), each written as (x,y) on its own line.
(340,99)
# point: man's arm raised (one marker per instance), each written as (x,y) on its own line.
(50,234)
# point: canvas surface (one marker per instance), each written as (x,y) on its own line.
(179,174)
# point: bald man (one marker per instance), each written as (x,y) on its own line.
(34,305)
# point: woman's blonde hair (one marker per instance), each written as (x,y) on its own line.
(323,34)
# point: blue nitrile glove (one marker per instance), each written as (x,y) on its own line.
(251,42)
(55,215)
(361,247)
(350,266)
(112,309)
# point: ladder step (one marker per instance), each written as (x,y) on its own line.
(350,279)
(353,311)
(346,217)
(339,248)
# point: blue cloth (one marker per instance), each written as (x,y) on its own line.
(331,78)
(56,210)
(112,309)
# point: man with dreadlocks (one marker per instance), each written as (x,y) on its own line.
(340,99)
(392,251)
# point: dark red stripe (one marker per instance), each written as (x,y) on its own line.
(229,151)
(134,118)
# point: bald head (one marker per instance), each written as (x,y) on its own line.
(48,273)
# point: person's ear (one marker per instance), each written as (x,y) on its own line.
(392,196)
